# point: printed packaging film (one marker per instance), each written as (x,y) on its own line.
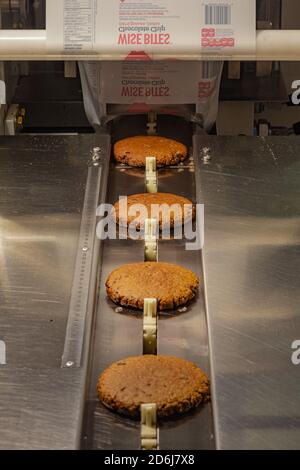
(135,29)
(138,31)
(188,89)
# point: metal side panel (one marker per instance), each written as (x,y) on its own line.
(45,207)
(251,191)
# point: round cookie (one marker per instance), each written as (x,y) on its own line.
(174,384)
(170,284)
(134,150)
(175,217)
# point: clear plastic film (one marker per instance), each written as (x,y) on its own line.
(187,89)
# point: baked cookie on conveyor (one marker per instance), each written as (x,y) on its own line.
(174,384)
(183,209)
(172,285)
(134,150)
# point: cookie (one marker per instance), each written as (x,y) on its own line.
(183,210)
(134,150)
(174,384)
(170,284)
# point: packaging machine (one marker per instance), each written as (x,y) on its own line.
(57,326)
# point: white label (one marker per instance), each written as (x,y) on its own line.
(79,30)
(2,93)
(71,25)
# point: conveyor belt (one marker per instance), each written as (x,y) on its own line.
(119,334)
(250,187)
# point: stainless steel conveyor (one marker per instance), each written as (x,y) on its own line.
(240,328)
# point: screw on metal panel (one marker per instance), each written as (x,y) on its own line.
(206,155)
(96,154)
(85,249)
(70,364)
(182,310)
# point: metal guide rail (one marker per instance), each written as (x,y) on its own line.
(73,347)
(121,332)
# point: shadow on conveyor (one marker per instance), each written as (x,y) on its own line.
(173,127)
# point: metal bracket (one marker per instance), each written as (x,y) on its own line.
(152,123)
(150,327)
(70,69)
(151,242)
(2,92)
(151,175)
(14,119)
(149,429)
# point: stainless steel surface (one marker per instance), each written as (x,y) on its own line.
(240,328)
(120,334)
(42,188)
(251,191)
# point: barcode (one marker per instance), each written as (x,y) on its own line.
(217,13)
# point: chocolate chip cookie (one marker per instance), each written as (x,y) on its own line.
(174,384)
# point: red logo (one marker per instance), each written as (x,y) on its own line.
(204,89)
(135,55)
(208,32)
(210,39)
(217,42)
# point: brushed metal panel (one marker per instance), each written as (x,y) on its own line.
(42,188)
(251,191)
(40,409)
(40,218)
